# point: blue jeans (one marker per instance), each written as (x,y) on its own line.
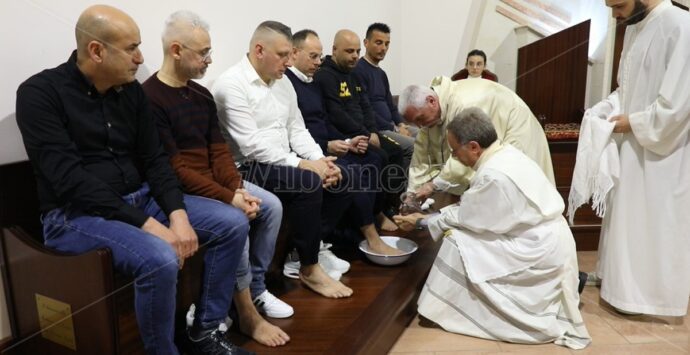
(153,262)
(258,253)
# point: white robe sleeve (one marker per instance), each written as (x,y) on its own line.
(419,169)
(666,122)
(493,205)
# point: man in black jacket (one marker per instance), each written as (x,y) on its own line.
(349,110)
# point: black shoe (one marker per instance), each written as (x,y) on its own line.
(214,343)
(582,276)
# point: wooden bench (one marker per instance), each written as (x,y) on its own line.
(40,283)
(103,319)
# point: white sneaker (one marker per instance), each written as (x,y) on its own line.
(329,261)
(292,265)
(593,279)
(223,326)
(270,305)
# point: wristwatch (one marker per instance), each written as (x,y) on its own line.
(418,224)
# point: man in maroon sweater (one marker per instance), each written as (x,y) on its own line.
(186,117)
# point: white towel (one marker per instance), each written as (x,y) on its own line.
(597,166)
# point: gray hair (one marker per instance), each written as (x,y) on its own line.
(180,24)
(414,96)
(472,124)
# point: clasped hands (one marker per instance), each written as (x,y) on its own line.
(180,235)
(246,202)
(326,169)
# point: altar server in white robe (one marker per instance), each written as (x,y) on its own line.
(507,268)
(644,249)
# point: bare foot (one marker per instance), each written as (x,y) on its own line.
(377,246)
(318,281)
(262,331)
(386,224)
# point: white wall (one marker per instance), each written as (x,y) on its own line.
(432,34)
(39,34)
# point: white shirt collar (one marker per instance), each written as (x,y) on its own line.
(301,76)
(251,74)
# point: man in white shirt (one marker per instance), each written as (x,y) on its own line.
(644,249)
(258,113)
(507,269)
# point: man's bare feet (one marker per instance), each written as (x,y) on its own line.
(318,281)
(262,331)
(255,326)
(386,224)
(377,246)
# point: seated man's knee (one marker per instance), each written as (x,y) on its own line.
(161,263)
(271,206)
(226,222)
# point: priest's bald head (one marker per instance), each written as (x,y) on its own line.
(107,46)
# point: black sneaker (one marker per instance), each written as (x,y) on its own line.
(215,343)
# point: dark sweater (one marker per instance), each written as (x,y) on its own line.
(310,102)
(378,91)
(187,122)
(348,110)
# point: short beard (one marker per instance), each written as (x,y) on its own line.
(638,14)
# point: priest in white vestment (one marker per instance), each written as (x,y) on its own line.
(433,108)
(644,249)
(507,268)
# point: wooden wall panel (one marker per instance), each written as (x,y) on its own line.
(552,74)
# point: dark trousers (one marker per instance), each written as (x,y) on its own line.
(363,172)
(311,211)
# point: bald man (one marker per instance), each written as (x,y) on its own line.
(104,181)
(349,110)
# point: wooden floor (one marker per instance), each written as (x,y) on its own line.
(370,322)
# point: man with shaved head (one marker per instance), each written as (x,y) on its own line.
(350,113)
(104,181)
(260,120)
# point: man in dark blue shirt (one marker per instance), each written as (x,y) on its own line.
(377,89)
(104,181)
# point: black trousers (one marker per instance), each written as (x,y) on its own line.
(311,210)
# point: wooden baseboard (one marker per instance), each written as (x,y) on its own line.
(5,342)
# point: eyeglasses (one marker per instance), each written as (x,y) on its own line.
(204,54)
(316,57)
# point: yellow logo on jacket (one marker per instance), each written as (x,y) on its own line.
(344,91)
